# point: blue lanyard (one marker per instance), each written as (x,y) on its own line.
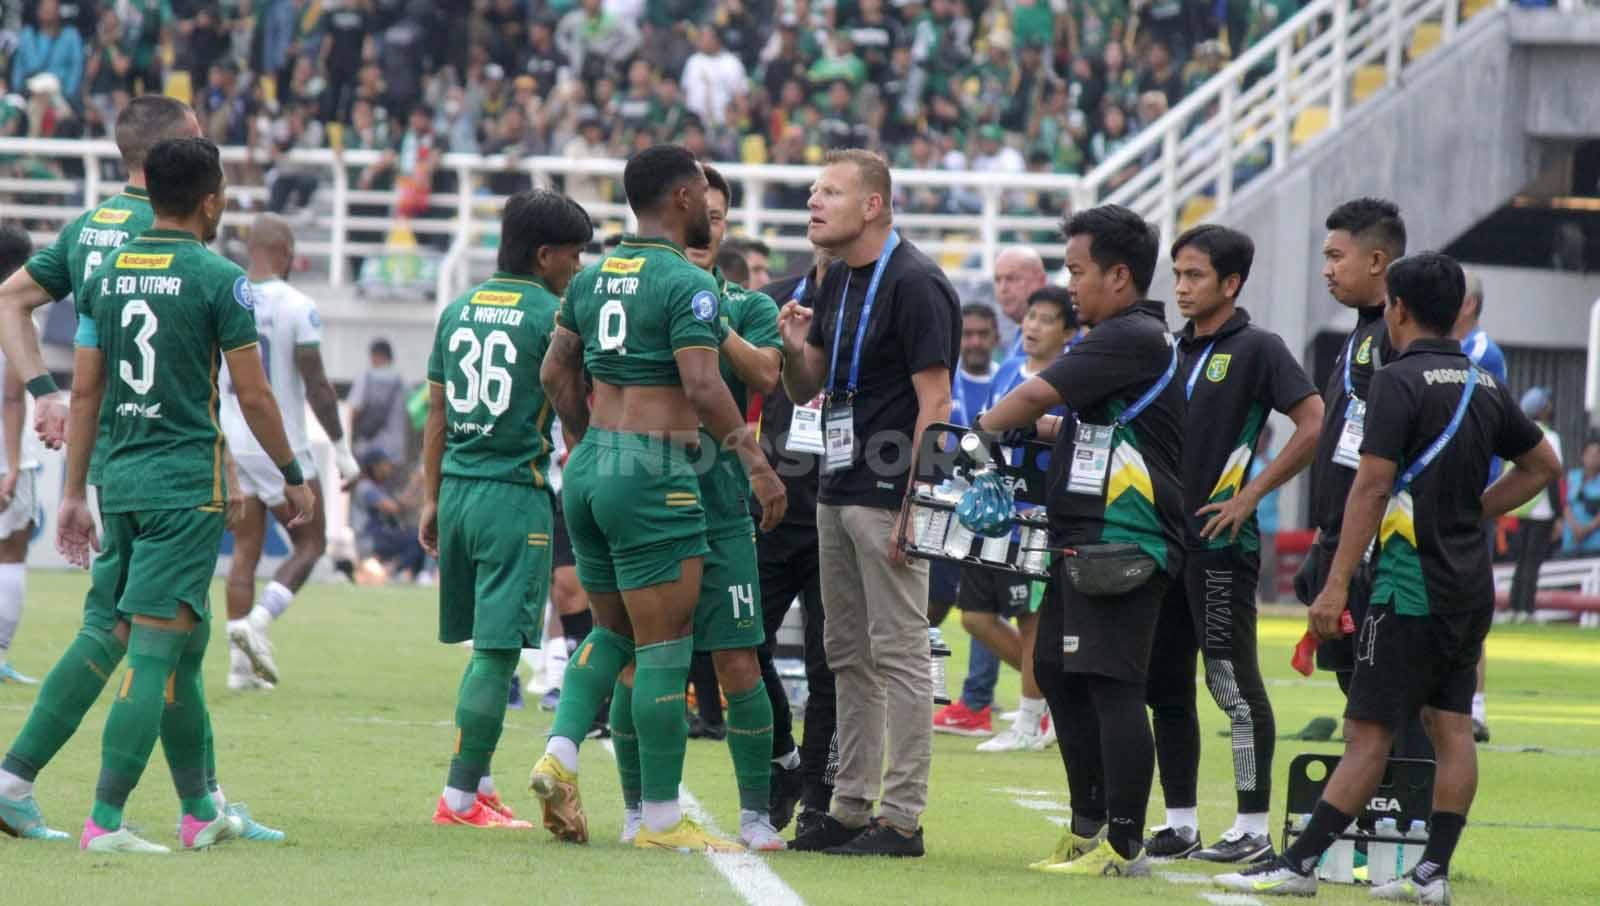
(1132,412)
(1198,367)
(1438,445)
(800,291)
(1349,349)
(866,314)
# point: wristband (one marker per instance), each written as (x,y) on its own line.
(43,385)
(291,473)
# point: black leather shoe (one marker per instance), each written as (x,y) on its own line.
(826,834)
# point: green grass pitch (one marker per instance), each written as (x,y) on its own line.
(349,753)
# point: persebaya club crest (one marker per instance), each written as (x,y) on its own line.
(1364,354)
(1217,368)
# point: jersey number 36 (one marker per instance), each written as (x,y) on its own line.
(483,379)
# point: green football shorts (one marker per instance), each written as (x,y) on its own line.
(633,511)
(494,562)
(728,614)
(154,561)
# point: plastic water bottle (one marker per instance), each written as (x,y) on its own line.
(958,541)
(938,651)
(931,537)
(1338,864)
(1411,852)
(1383,857)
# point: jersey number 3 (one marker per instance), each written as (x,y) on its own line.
(143,378)
(490,385)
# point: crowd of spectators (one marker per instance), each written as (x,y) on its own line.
(981,85)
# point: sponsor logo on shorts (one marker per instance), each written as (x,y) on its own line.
(1069,644)
(622,265)
(492,297)
(107,215)
(141,262)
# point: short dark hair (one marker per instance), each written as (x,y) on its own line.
(1059,296)
(1231,251)
(652,174)
(146,120)
(716,180)
(1375,221)
(535,219)
(979,310)
(1432,287)
(423,108)
(15,247)
(754,244)
(1118,236)
(732,264)
(381,347)
(179,172)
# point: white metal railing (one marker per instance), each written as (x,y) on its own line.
(1237,125)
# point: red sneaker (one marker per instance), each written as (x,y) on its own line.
(479,815)
(495,803)
(957,718)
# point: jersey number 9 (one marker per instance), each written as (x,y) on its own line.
(492,385)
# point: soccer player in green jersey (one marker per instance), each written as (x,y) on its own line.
(487,515)
(160,315)
(75,682)
(727,617)
(645,323)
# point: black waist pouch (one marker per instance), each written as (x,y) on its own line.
(1099,570)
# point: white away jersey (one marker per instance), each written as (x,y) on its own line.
(285,318)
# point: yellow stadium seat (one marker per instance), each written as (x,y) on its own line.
(1308,125)
(960,246)
(1367,81)
(753,149)
(178,85)
(1425,38)
(1470,8)
(1195,211)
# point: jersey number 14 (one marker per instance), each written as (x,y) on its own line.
(483,379)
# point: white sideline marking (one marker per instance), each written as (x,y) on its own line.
(1230,899)
(748,874)
(1043,805)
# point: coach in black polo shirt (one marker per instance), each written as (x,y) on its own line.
(1114,479)
(882,346)
(1434,423)
(1235,375)
(790,570)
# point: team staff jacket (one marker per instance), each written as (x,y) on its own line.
(1235,378)
(1432,555)
(1367,348)
(1142,497)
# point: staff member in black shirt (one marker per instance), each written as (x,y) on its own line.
(790,570)
(1434,422)
(1114,478)
(883,346)
(1235,375)
(1364,235)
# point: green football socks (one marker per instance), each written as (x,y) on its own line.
(625,743)
(591,672)
(480,716)
(750,743)
(659,716)
(66,695)
(184,725)
(135,719)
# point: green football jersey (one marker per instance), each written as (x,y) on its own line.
(638,306)
(61,267)
(163,309)
(84,244)
(725,486)
(486,354)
